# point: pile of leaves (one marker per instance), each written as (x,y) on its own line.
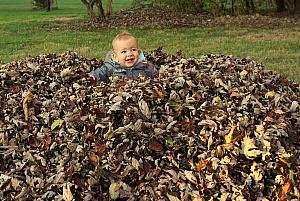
(167,18)
(209,128)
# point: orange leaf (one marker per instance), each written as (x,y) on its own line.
(159,93)
(201,165)
(285,189)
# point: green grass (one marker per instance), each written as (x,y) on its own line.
(22,35)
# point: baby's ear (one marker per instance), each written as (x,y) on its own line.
(113,56)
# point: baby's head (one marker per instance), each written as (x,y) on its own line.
(125,49)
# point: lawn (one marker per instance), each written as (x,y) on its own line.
(22,35)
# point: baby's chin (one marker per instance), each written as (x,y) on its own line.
(129,64)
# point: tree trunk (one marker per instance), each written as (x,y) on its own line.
(232,7)
(100,8)
(250,8)
(280,5)
(90,11)
(108,7)
(48,5)
(247,4)
(297,6)
(92,4)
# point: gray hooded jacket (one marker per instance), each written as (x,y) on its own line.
(112,68)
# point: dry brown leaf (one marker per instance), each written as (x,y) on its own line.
(135,163)
(159,93)
(155,146)
(249,148)
(94,158)
(27,98)
(67,194)
(173,198)
(235,92)
(100,149)
(190,176)
(145,109)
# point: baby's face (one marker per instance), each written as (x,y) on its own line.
(126,52)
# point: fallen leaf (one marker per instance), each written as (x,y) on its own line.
(172,197)
(57,123)
(145,109)
(170,140)
(229,136)
(190,176)
(286,188)
(67,194)
(155,146)
(249,148)
(135,163)
(114,190)
(27,98)
(270,94)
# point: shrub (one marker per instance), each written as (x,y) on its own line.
(187,5)
(42,4)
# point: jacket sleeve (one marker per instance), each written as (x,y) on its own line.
(101,74)
(152,71)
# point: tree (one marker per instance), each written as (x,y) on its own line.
(292,6)
(48,5)
(250,8)
(100,8)
(280,5)
(44,4)
(297,6)
(108,7)
(89,6)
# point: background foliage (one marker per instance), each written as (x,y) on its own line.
(221,7)
(43,4)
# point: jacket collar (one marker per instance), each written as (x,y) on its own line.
(108,59)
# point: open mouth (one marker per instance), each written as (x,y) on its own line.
(130,60)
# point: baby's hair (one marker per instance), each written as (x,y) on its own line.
(121,36)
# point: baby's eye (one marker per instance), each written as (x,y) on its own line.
(133,49)
(123,52)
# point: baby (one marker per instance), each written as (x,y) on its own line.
(125,60)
